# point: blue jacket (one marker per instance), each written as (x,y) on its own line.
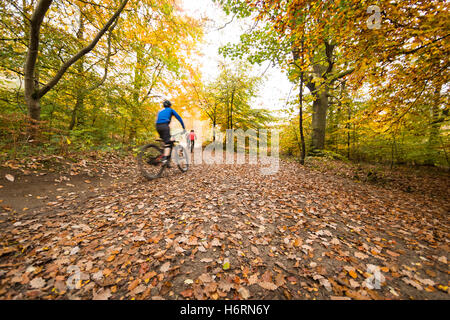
(165,115)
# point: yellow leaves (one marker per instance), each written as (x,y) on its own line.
(111,258)
(226,266)
(443,288)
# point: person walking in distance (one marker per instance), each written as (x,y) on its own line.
(192,138)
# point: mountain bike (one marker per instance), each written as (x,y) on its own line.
(150,158)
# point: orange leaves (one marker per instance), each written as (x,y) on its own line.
(353,274)
(392,254)
(187,293)
(384,269)
(311,256)
(298,242)
(149,275)
(107,272)
(133,284)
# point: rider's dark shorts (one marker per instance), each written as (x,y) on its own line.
(164,132)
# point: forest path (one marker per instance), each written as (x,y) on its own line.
(223,231)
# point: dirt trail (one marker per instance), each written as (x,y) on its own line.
(223,231)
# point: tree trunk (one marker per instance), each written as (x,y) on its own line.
(76,110)
(319,120)
(300,124)
(34,109)
(433,138)
(137,87)
(32,93)
(231,109)
(214,125)
(300,121)
(347,126)
(295,54)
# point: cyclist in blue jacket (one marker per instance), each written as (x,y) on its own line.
(162,126)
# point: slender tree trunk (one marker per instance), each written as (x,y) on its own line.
(348,130)
(433,138)
(300,122)
(392,150)
(214,124)
(77,110)
(231,109)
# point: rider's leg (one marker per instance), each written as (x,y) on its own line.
(164,132)
(167,150)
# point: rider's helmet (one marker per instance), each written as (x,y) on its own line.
(167,104)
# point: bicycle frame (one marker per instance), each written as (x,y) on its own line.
(172,145)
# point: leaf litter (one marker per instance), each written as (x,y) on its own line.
(229,232)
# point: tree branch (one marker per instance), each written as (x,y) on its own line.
(341,75)
(108,58)
(80,53)
(154,78)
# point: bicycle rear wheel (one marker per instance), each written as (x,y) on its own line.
(149,161)
(181,158)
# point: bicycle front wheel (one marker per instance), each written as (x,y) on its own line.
(181,158)
(149,161)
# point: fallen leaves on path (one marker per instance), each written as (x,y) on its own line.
(222,231)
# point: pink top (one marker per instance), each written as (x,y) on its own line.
(192,136)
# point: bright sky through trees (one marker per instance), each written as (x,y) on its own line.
(222,29)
